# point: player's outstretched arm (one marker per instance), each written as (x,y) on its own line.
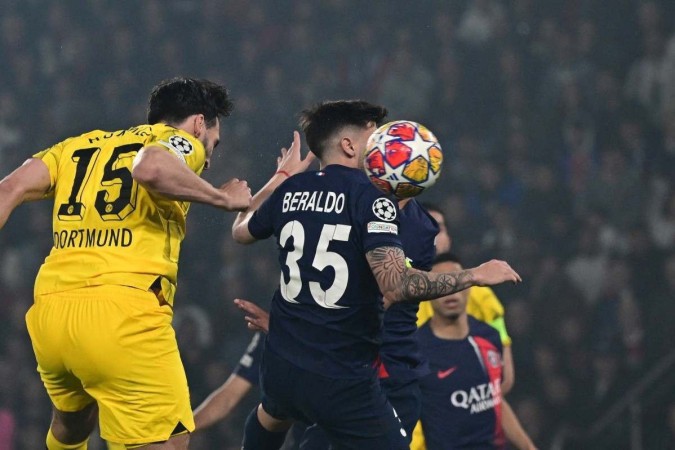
(221,402)
(30,181)
(400,283)
(161,172)
(508,370)
(289,163)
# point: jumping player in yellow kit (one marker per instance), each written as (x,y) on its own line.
(101,322)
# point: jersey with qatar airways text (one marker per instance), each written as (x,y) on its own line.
(400,355)
(107,228)
(461,397)
(326,314)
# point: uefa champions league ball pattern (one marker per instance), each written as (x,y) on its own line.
(403,158)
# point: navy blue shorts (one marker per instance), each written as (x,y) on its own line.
(404,397)
(354,413)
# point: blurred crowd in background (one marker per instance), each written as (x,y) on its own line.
(557,119)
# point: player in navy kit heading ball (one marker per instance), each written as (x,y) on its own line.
(338,249)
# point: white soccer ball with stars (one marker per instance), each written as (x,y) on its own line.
(403,158)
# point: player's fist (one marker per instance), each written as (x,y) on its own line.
(494,272)
(236,194)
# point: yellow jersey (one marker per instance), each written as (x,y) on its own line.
(108,229)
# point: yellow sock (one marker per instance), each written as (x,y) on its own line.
(53,444)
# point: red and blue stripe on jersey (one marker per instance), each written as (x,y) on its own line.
(461,397)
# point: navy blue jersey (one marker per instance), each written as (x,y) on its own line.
(461,397)
(249,363)
(326,315)
(400,354)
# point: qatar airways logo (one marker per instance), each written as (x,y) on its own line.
(479,398)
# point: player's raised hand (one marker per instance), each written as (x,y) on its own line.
(494,272)
(237,195)
(256,318)
(290,161)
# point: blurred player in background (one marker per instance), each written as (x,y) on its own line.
(223,400)
(483,304)
(339,248)
(462,402)
(101,323)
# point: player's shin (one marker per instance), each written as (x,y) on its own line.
(53,444)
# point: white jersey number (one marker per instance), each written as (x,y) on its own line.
(322,259)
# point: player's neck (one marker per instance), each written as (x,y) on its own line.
(447,328)
(339,160)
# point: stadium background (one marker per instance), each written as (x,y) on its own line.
(557,118)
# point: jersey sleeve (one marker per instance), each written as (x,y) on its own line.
(377,219)
(249,365)
(484,305)
(261,224)
(500,325)
(51,157)
(184,146)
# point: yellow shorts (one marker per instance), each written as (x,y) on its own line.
(114,345)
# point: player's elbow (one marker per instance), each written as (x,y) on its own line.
(12,191)
(241,234)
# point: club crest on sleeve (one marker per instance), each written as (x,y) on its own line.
(494,359)
(181,144)
(384,209)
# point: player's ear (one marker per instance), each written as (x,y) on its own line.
(347,146)
(199,124)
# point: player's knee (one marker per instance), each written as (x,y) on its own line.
(74,427)
(258,437)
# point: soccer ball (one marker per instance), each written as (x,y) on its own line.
(403,158)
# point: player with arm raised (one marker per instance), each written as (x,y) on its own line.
(339,248)
(101,322)
(483,303)
(462,402)
(222,401)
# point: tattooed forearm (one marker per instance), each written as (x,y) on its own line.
(399,283)
(388,265)
(418,285)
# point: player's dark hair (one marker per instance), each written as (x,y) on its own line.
(176,99)
(322,121)
(433,207)
(447,257)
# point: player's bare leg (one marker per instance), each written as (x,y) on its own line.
(72,428)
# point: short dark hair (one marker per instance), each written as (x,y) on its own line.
(176,99)
(447,257)
(433,207)
(325,119)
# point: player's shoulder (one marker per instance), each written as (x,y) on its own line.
(167,134)
(88,137)
(334,176)
(417,213)
(484,304)
(180,142)
(482,329)
(424,333)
